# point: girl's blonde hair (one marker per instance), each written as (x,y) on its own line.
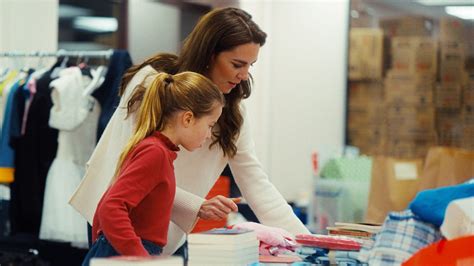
(168,94)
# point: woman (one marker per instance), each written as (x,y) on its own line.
(222,46)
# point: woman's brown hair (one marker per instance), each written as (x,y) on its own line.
(218,31)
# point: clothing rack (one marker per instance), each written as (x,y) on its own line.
(59,53)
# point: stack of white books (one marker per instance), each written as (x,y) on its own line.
(222,246)
(138,261)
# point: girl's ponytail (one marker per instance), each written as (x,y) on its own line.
(151,114)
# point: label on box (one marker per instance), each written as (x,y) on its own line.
(405,171)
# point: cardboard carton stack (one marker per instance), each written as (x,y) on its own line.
(454,93)
(409,97)
(366,120)
(366,125)
(424,96)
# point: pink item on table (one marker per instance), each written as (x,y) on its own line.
(273,241)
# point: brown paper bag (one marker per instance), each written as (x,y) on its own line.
(446,166)
(393,185)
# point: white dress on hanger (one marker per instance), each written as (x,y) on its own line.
(75,114)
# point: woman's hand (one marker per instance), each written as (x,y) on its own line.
(218,208)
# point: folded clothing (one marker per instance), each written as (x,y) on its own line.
(430,205)
(320,256)
(402,235)
(459,219)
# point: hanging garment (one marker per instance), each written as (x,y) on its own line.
(5,86)
(107,93)
(10,123)
(76,116)
(34,153)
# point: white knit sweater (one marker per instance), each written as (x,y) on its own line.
(196,172)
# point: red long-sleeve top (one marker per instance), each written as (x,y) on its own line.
(138,205)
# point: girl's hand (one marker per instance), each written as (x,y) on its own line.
(217,208)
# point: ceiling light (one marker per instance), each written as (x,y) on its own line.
(96,24)
(464,12)
(445,2)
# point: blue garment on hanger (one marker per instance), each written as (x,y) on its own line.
(6,152)
(107,93)
(430,205)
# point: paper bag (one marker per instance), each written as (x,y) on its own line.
(446,167)
(394,184)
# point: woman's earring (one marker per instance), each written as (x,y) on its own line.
(207,67)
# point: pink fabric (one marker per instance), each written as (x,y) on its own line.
(31,85)
(273,241)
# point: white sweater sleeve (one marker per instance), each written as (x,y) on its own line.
(185,209)
(265,200)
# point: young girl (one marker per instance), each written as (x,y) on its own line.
(133,215)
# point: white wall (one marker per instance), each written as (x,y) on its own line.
(298,105)
(28,25)
(152,27)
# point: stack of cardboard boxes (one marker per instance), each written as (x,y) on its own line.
(409,97)
(413,102)
(366,124)
(454,112)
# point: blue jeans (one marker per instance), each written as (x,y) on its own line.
(102,249)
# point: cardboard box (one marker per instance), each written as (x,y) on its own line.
(447,119)
(365,53)
(408,26)
(408,148)
(452,62)
(468,96)
(453,47)
(448,95)
(365,92)
(361,115)
(410,122)
(369,139)
(449,127)
(451,29)
(407,111)
(468,115)
(404,88)
(412,132)
(467,141)
(414,54)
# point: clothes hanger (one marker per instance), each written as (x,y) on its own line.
(56,70)
(41,68)
(98,77)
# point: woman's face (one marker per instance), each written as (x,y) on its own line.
(229,68)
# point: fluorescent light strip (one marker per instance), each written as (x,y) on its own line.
(445,2)
(96,24)
(464,12)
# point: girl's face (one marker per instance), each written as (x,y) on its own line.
(199,130)
(229,68)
